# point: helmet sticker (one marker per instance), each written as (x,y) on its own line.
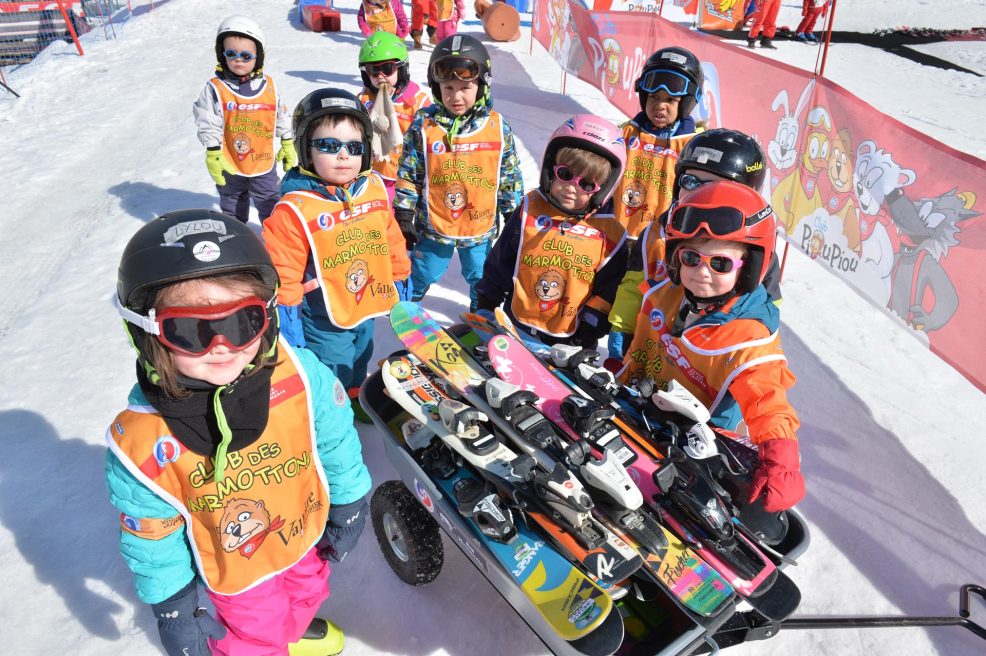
(345,103)
(206,251)
(675,57)
(704,155)
(186,228)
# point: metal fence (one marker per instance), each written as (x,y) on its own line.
(27,28)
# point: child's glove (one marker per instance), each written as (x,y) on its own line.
(289,320)
(217,164)
(778,477)
(593,324)
(405,221)
(342,532)
(287,155)
(184,627)
(405,288)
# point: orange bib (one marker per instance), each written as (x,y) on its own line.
(350,249)
(380,18)
(444,9)
(644,193)
(704,358)
(273,502)
(462,178)
(654,251)
(557,262)
(248,132)
(405,110)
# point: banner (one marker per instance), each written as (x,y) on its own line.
(720,14)
(898,215)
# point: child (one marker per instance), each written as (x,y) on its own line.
(764,24)
(669,86)
(423,14)
(449,14)
(382,16)
(238,115)
(560,258)
(459,172)
(718,154)
(711,326)
(383,62)
(333,239)
(236,465)
(811,10)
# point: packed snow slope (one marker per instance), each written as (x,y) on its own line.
(891,436)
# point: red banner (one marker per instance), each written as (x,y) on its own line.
(898,215)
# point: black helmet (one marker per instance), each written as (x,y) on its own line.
(463,47)
(325,102)
(677,60)
(727,153)
(184,245)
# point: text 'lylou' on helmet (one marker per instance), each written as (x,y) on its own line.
(726,153)
(327,102)
(245,27)
(676,71)
(384,46)
(467,51)
(596,135)
(725,211)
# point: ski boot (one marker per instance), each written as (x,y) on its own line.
(416,37)
(800,36)
(322,638)
(359,414)
(432,39)
(766,42)
(751,43)
(810,37)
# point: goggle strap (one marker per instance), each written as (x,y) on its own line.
(224,430)
(147,323)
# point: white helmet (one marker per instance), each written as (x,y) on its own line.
(240,26)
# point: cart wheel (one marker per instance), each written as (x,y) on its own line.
(408,536)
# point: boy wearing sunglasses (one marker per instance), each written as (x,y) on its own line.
(459,174)
(383,64)
(710,326)
(334,241)
(239,115)
(230,439)
(718,154)
(562,253)
(669,86)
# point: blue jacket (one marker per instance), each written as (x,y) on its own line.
(163,567)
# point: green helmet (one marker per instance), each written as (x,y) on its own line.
(385,46)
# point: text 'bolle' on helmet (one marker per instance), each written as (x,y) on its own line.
(384,46)
(726,211)
(727,153)
(464,50)
(596,135)
(676,71)
(185,245)
(245,27)
(325,102)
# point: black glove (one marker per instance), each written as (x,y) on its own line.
(593,325)
(405,221)
(184,627)
(343,529)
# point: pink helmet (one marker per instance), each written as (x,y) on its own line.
(592,133)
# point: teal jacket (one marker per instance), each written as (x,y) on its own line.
(163,567)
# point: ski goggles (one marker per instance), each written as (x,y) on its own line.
(245,55)
(673,82)
(332,146)
(690,182)
(455,68)
(565,174)
(196,330)
(382,68)
(688,220)
(718,263)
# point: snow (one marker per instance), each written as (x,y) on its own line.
(99,144)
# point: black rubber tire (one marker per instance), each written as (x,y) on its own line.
(413,546)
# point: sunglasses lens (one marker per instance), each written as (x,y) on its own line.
(327,145)
(354,148)
(564,174)
(674,83)
(720,264)
(690,182)
(244,55)
(588,186)
(689,258)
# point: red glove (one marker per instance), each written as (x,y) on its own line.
(779,475)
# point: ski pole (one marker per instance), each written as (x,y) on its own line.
(899,621)
(4,85)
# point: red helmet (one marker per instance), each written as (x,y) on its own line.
(727,211)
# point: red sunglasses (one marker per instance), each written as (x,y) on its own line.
(196,330)
(567,175)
